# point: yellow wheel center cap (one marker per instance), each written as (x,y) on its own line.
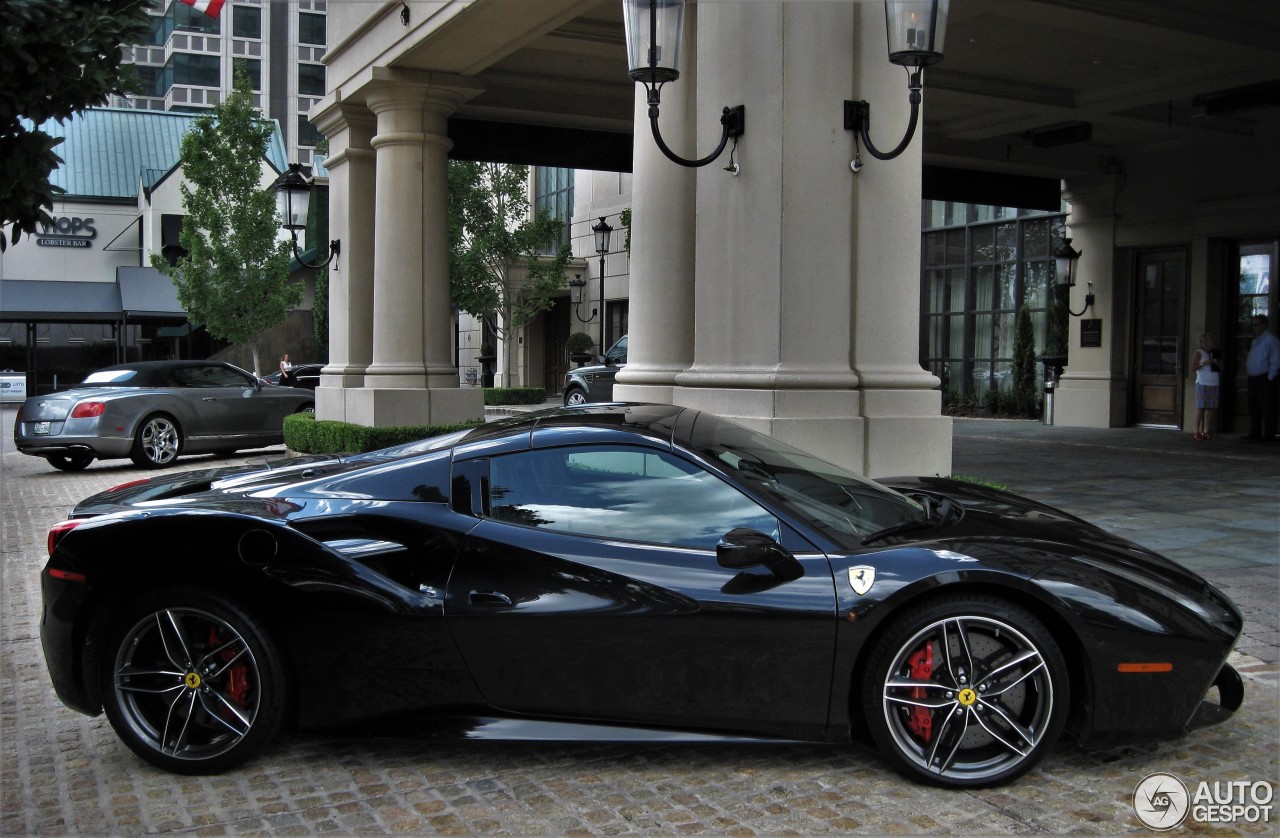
(192,680)
(967,697)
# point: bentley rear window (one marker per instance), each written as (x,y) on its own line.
(105,378)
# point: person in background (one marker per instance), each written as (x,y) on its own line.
(1263,369)
(1206,366)
(286,368)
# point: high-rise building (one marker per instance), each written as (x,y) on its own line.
(190,61)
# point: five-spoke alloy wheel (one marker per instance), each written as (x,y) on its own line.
(192,683)
(158,443)
(966,691)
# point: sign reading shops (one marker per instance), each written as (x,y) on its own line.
(68,231)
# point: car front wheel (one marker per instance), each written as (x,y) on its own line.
(575,396)
(966,692)
(158,443)
(193,684)
(69,462)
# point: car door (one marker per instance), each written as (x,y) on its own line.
(222,400)
(590,589)
(614,360)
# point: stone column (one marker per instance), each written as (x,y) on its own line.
(349,129)
(412,379)
(662,239)
(1092,392)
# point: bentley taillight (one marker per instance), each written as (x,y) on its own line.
(57,531)
(88,410)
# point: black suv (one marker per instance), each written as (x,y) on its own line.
(595,383)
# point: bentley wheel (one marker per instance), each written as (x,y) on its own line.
(69,462)
(575,397)
(966,692)
(158,443)
(192,684)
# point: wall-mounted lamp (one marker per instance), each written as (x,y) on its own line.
(293,200)
(915,30)
(654,29)
(577,296)
(1065,259)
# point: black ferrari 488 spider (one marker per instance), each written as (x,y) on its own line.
(645,567)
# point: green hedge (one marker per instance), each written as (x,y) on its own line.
(307,435)
(515,395)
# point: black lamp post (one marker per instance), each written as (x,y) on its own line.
(293,200)
(915,31)
(654,29)
(602,229)
(1065,259)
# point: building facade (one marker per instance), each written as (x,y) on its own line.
(191,59)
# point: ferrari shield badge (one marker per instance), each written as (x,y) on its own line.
(862,578)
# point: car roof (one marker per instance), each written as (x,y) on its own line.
(663,424)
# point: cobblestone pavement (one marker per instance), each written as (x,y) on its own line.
(63,773)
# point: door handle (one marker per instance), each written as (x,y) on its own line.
(207,399)
(490,598)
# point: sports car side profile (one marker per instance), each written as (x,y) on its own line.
(646,567)
(154,411)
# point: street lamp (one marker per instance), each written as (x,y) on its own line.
(915,31)
(293,200)
(654,29)
(1065,259)
(602,231)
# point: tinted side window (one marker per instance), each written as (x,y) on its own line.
(632,494)
(210,376)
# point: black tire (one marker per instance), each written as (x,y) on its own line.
(966,692)
(69,462)
(191,682)
(574,396)
(157,443)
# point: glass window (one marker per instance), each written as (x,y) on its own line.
(553,192)
(210,376)
(308,134)
(186,68)
(253,68)
(311,79)
(246,22)
(620,492)
(311,29)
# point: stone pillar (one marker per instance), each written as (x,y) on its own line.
(905,431)
(1093,389)
(663,224)
(412,379)
(349,128)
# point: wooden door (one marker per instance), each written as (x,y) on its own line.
(1159,329)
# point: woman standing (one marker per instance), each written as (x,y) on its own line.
(1206,367)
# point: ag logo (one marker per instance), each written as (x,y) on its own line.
(1161,801)
(862,578)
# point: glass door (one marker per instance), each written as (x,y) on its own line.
(1160,326)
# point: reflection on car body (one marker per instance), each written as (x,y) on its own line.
(152,412)
(645,566)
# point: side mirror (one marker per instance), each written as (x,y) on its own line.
(743,548)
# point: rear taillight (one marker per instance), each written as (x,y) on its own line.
(88,410)
(57,531)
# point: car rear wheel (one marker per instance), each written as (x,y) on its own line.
(575,396)
(193,684)
(69,462)
(158,443)
(966,692)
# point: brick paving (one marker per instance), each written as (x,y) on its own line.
(63,773)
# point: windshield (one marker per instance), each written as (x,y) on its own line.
(843,506)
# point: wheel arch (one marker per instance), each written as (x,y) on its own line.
(1043,608)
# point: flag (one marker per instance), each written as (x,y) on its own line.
(209,7)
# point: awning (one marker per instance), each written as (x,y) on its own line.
(55,301)
(147,294)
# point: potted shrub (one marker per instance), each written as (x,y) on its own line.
(577,346)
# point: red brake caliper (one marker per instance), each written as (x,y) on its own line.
(237,676)
(920,721)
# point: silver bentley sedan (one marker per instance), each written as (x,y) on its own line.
(153,411)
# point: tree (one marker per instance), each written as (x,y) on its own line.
(234,277)
(57,57)
(491,233)
(1024,363)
